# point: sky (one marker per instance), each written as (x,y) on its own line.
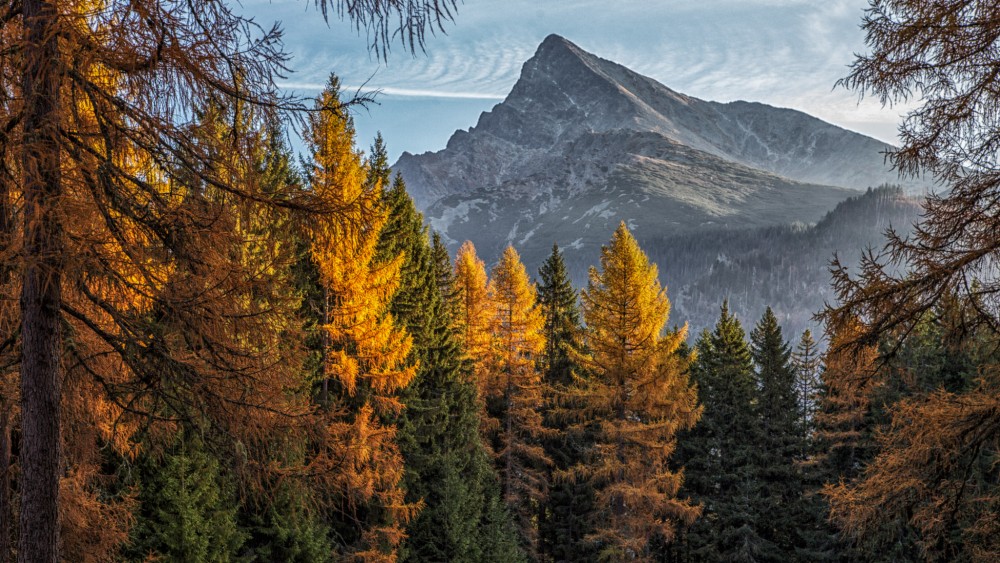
(786,53)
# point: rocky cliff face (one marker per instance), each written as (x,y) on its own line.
(581,143)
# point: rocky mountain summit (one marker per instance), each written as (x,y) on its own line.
(581,143)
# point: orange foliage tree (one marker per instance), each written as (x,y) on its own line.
(843,432)
(514,391)
(937,466)
(365,354)
(636,396)
(473,312)
(98,100)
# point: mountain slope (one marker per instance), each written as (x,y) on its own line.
(719,195)
(564,92)
(784,267)
(657,186)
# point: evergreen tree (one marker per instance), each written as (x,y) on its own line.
(558,302)
(445,278)
(722,454)
(563,524)
(282,522)
(187,509)
(780,509)
(635,399)
(446,466)
(282,527)
(807,363)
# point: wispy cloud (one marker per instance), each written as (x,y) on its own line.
(391,91)
(782,52)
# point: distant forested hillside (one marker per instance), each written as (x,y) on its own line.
(786,267)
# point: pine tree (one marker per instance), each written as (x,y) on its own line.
(514,393)
(563,524)
(722,454)
(636,398)
(780,508)
(818,537)
(445,278)
(284,527)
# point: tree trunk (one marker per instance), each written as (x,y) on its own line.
(8,316)
(5,508)
(40,293)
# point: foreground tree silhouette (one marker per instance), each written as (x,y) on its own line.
(943,54)
(636,397)
(89,89)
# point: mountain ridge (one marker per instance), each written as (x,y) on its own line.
(564,91)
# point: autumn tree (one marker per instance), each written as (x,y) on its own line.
(940,55)
(88,88)
(909,395)
(473,314)
(514,392)
(842,432)
(636,397)
(365,353)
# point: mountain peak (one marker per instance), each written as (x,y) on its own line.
(557,45)
(554,39)
(567,99)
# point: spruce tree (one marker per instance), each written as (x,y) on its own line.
(446,466)
(807,363)
(564,517)
(282,527)
(558,302)
(722,454)
(187,508)
(780,509)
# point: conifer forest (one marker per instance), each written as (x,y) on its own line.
(230,331)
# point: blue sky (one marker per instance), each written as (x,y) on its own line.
(786,53)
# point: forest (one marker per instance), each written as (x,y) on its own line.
(213,351)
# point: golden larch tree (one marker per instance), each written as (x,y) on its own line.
(365,353)
(514,391)
(134,75)
(849,378)
(473,311)
(635,396)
